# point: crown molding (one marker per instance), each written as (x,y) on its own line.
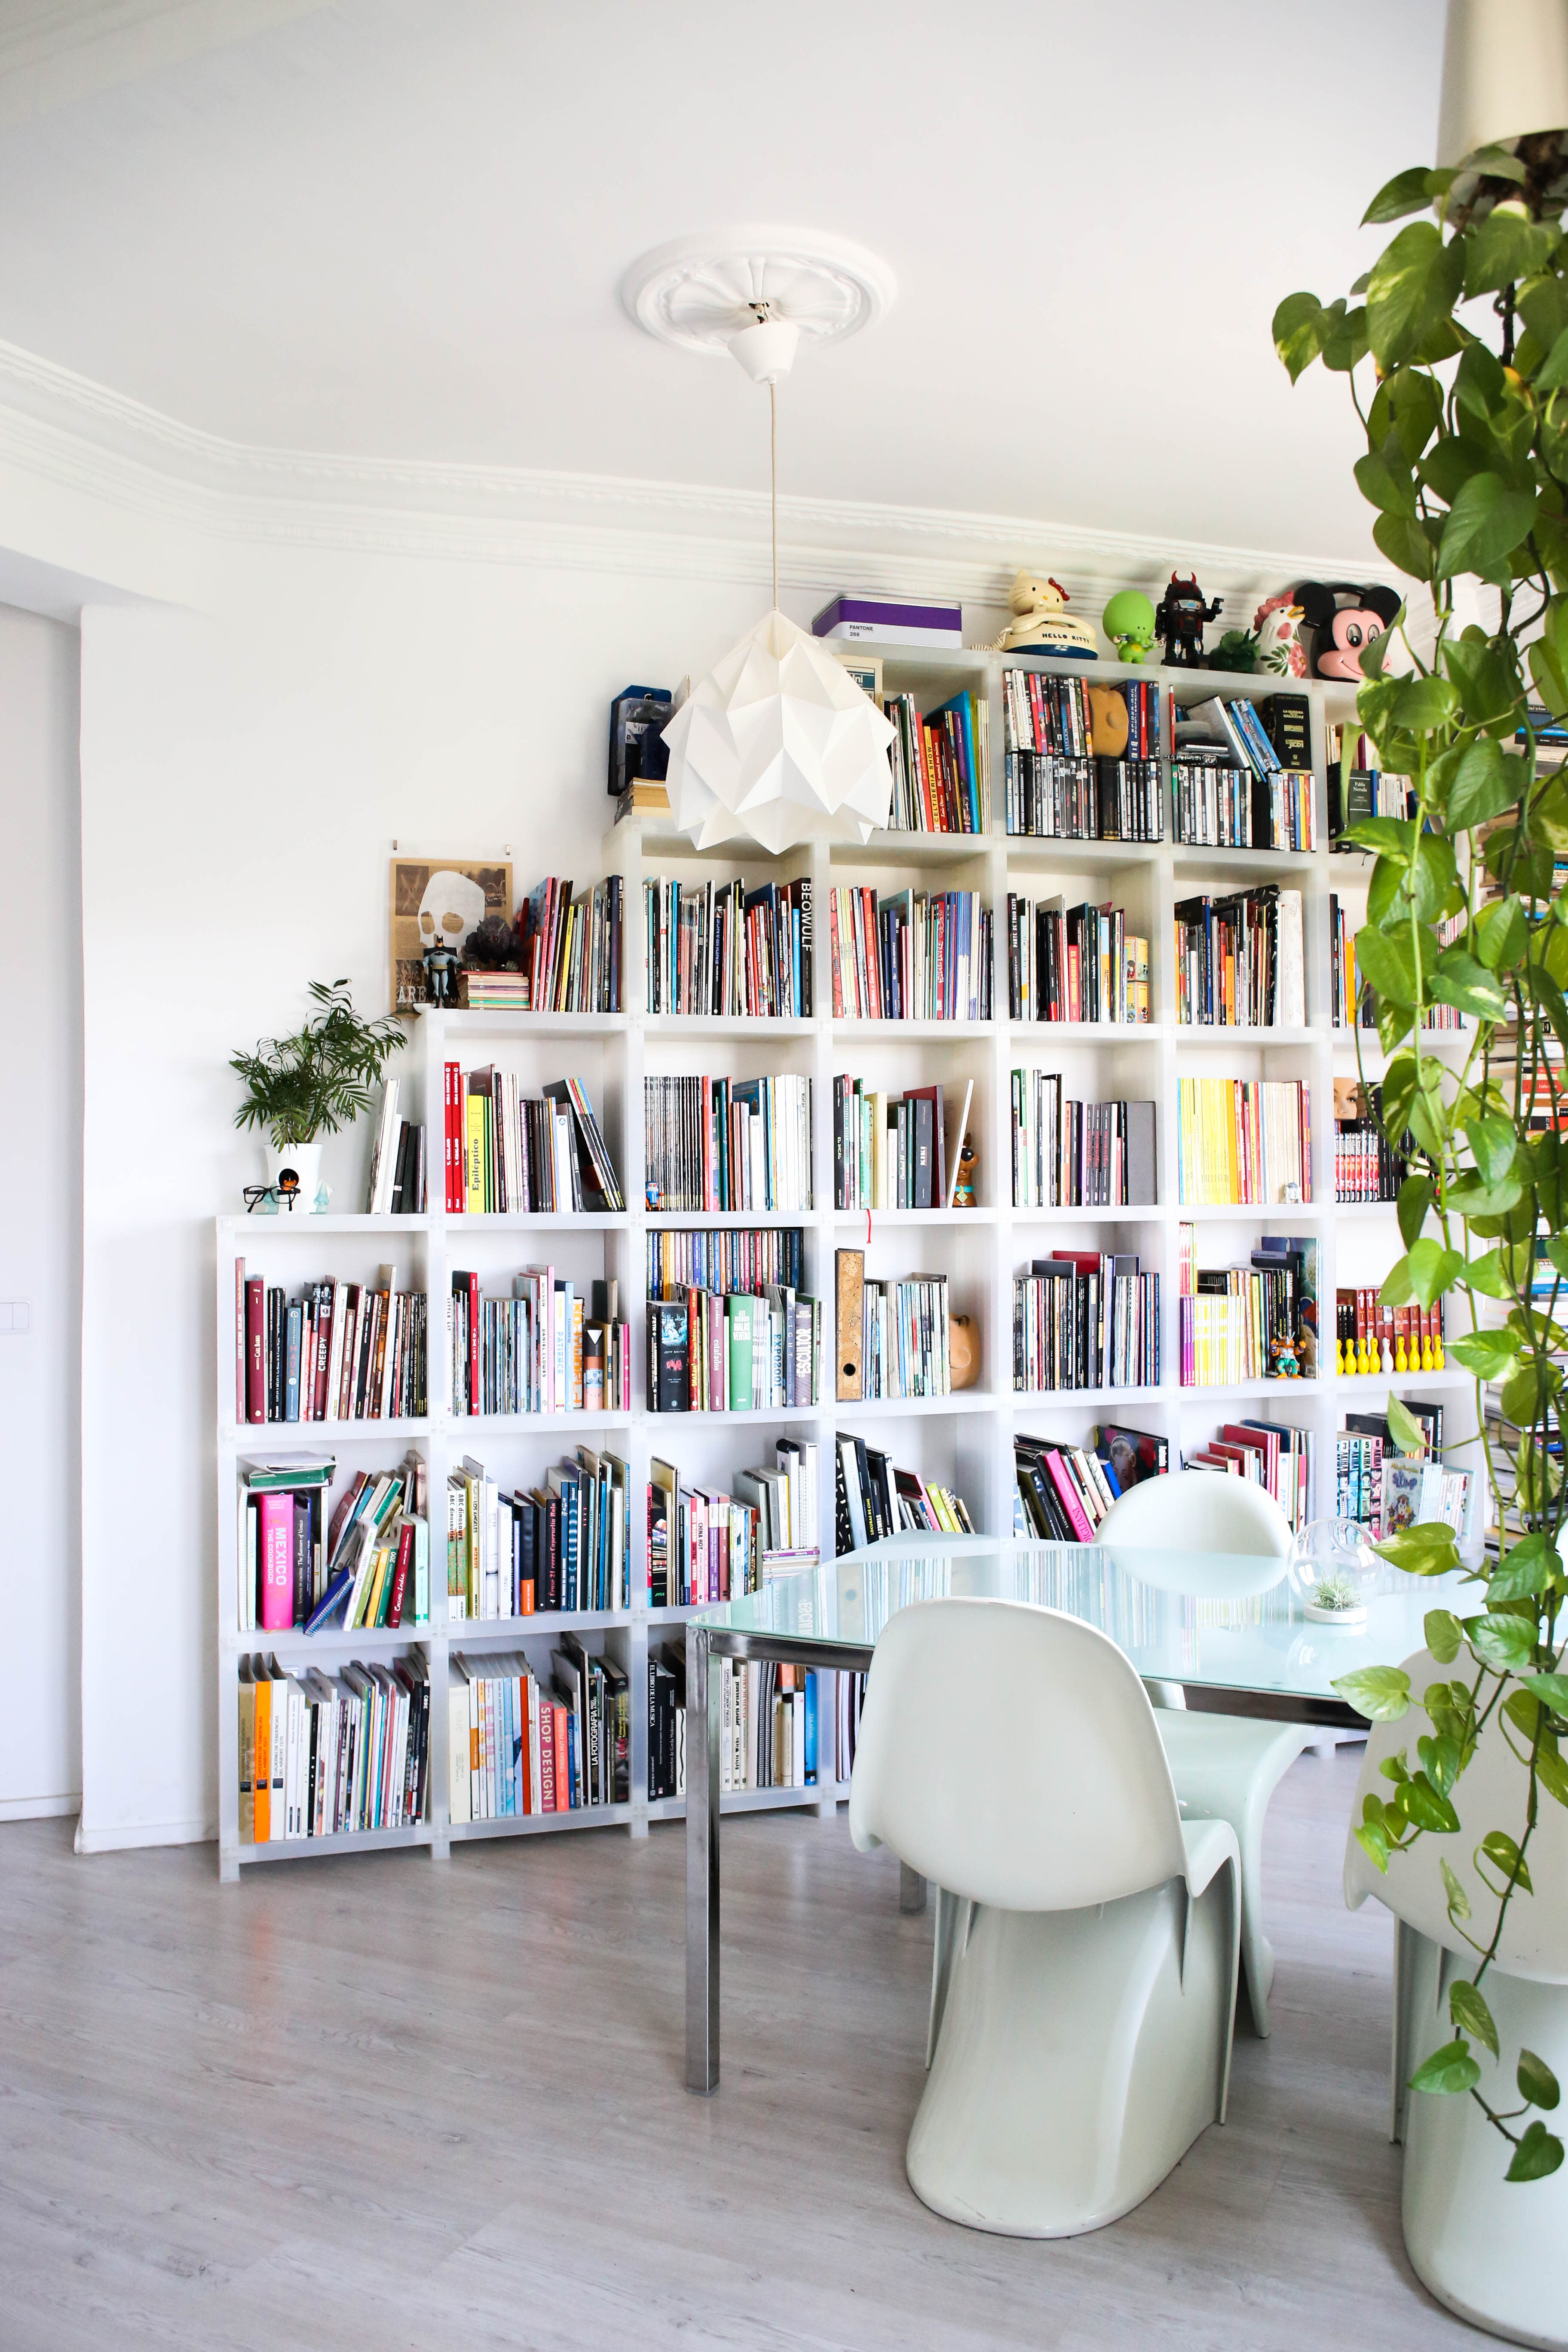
(102,445)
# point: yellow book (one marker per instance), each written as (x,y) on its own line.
(576,1354)
(246,1755)
(474,1114)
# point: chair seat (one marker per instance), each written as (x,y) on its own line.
(1226,1768)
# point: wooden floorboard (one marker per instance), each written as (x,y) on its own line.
(432,2106)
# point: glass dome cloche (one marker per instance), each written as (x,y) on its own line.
(1332,1571)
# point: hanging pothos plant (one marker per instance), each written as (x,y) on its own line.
(1465,318)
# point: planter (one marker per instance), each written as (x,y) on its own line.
(1347,1617)
(301,1161)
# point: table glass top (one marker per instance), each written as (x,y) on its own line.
(1223,1619)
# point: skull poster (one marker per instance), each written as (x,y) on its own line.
(438,899)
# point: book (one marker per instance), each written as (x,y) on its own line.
(1074,963)
(728,1144)
(324,1755)
(1246,1142)
(1086,1320)
(719,948)
(1240,959)
(570,949)
(1060,782)
(1072,1154)
(915,956)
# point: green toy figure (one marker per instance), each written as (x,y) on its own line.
(1129,622)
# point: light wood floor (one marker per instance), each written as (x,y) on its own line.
(394,2103)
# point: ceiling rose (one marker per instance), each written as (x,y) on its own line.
(698,292)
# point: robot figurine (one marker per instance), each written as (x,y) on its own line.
(1179,621)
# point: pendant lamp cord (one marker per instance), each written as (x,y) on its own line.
(773,449)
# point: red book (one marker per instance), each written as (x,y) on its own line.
(473,1342)
(239,1339)
(400,1572)
(546,1753)
(255,1349)
(324,1346)
(1064,1485)
(276,1545)
(454,1132)
(562,1760)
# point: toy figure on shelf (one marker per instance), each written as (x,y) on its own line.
(1277,625)
(494,946)
(1042,624)
(1129,622)
(968,1163)
(440,972)
(1180,619)
(1341,620)
(1282,1361)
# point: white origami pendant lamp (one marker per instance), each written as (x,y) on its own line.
(777,744)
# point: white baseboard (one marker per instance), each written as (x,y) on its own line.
(39,1809)
(122,1841)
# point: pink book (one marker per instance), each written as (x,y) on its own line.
(276,1551)
(1068,1492)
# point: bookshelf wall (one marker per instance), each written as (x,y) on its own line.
(964,1440)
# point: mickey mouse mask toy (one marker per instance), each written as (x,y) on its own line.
(1344,620)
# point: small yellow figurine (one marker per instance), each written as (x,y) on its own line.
(1401,1363)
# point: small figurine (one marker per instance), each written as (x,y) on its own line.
(1277,625)
(492,946)
(1342,621)
(1042,624)
(1108,721)
(1282,1362)
(964,1197)
(963,1351)
(1129,622)
(1179,621)
(440,972)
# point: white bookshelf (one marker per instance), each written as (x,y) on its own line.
(964,1440)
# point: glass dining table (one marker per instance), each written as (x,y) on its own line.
(1227,1627)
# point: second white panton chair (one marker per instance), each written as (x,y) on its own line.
(1083,1993)
(1225,1767)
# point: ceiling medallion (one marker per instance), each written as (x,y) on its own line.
(698,292)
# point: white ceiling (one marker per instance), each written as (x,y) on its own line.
(396,228)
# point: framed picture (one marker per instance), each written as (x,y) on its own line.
(864,668)
(439,897)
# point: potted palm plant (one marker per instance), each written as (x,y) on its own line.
(1464,317)
(313,1083)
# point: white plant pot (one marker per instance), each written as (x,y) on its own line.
(1347,1617)
(303,1160)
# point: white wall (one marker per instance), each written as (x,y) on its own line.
(40,1215)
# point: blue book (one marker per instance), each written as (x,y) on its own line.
(330,1601)
(296,1329)
(810,1727)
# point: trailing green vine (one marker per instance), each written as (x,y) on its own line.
(1465,320)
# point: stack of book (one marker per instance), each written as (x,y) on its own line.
(1062,1491)
(910,957)
(1084,1319)
(905,1338)
(544,1350)
(1271,1455)
(1240,959)
(1074,963)
(719,948)
(507,1153)
(369,1565)
(563,1544)
(571,947)
(1232,1316)
(728,1143)
(893,1151)
(520,1746)
(1058,788)
(1243,1141)
(1234,786)
(1358,790)
(730,1327)
(341,1351)
(706,1545)
(1366,1165)
(396,1187)
(940,766)
(874,1498)
(1068,1154)
(774,1725)
(1386,1491)
(494,991)
(320,1754)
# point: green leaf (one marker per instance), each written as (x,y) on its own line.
(1407,192)
(1382,1693)
(1487,522)
(1486,1354)
(1487,1274)
(1450,2068)
(1483,787)
(1461,981)
(1486,681)
(1458,1901)
(1500,1850)
(1444,1639)
(1299,331)
(1408,1433)
(1538,2154)
(1392,1767)
(1409,403)
(1391,836)
(1508,245)
(1415,1200)
(1503,1643)
(1342,337)
(1526,1569)
(1372,1840)
(1385,959)
(1405,545)
(1426,1550)
(1441,1760)
(1500,933)
(1420,704)
(1551,1689)
(1411,290)
(1551,1772)
(1421,1804)
(1469,2012)
(1528,1391)
(1536,2080)
(1384,481)
(1433,1270)
(1548,657)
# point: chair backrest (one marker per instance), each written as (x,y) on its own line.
(1010,1754)
(1490,1795)
(1197,1510)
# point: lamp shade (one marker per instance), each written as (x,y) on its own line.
(778,744)
(1505,73)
